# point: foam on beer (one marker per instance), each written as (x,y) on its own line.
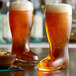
(21,5)
(59,8)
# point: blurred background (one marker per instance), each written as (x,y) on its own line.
(38,33)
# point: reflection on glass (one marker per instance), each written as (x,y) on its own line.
(64,72)
(7,73)
(30,70)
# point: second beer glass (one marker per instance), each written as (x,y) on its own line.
(21,19)
(58,22)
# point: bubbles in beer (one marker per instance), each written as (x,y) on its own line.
(21,5)
(59,8)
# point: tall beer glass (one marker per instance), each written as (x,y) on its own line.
(21,19)
(58,23)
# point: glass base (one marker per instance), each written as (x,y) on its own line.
(26,65)
(52,65)
(26,57)
(62,67)
(19,61)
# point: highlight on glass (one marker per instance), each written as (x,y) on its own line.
(21,19)
(58,23)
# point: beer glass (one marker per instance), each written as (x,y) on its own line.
(21,19)
(58,23)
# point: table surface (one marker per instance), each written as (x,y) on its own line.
(42,53)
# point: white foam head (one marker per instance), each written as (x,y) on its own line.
(59,8)
(21,5)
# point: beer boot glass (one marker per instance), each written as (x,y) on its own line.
(21,19)
(58,22)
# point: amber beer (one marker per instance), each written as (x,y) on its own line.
(21,18)
(58,23)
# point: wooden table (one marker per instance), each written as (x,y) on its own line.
(32,70)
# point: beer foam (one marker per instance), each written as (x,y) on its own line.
(59,8)
(21,5)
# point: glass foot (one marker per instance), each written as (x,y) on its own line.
(19,61)
(27,57)
(52,64)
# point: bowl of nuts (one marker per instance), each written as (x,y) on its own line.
(6,59)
